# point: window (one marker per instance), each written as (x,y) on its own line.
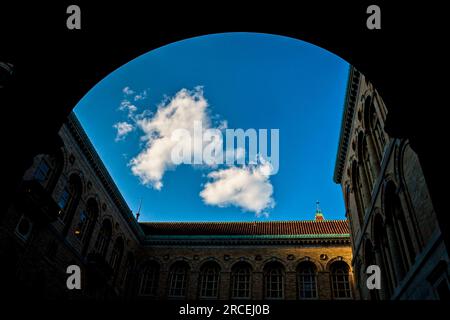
(340,281)
(178,280)
(274,281)
(241,281)
(149,280)
(42,171)
(307,280)
(64,199)
(209,280)
(103,238)
(116,255)
(80,229)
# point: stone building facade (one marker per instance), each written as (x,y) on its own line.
(68,211)
(246,260)
(392,219)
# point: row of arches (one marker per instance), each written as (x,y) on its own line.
(389,243)
(83,218)
(368,146)
(241,280)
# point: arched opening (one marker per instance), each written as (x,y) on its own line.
(127,276)
(307,280)
(68,201)
(383,256)
(274,277)
(357,190)
(241,280)
(149,280)
(365,169)
(375,135)
(104,238)
(398,230)
(116,255)
(178,280)
(86,223)
(209,280)
(340,280)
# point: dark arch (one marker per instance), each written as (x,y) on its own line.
(149,280)
(104,238)
(400,234)
(357,190)
(128,277)
(365,162)
(69,199)
(91,217)
(116,255)
(384,255)
(372,126)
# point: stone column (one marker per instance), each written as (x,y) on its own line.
(163,289)
(192,285)
(257,286)
(224,285)
(324,285)
(290,286)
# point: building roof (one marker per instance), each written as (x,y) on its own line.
(304,227)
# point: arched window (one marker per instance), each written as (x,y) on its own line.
(377,139)
(357,190)
(307,280)
(129,266)
(241,281)
(178,278)
(340,280)
(401,235)
(274,280)
(69,198)
(209,280)
(150,280)
(87,218)
(384,256)
(365,169)
(116,254)
(103,238)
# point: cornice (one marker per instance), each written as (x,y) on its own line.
(101,172)
(209,240)
(347,120)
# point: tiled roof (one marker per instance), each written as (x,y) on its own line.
(309,227)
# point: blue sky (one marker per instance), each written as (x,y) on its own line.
(248,80)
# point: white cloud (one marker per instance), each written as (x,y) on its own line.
(180,112)
(126,105)
(246,187)
(123,128)
(141,96)
(127,90)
